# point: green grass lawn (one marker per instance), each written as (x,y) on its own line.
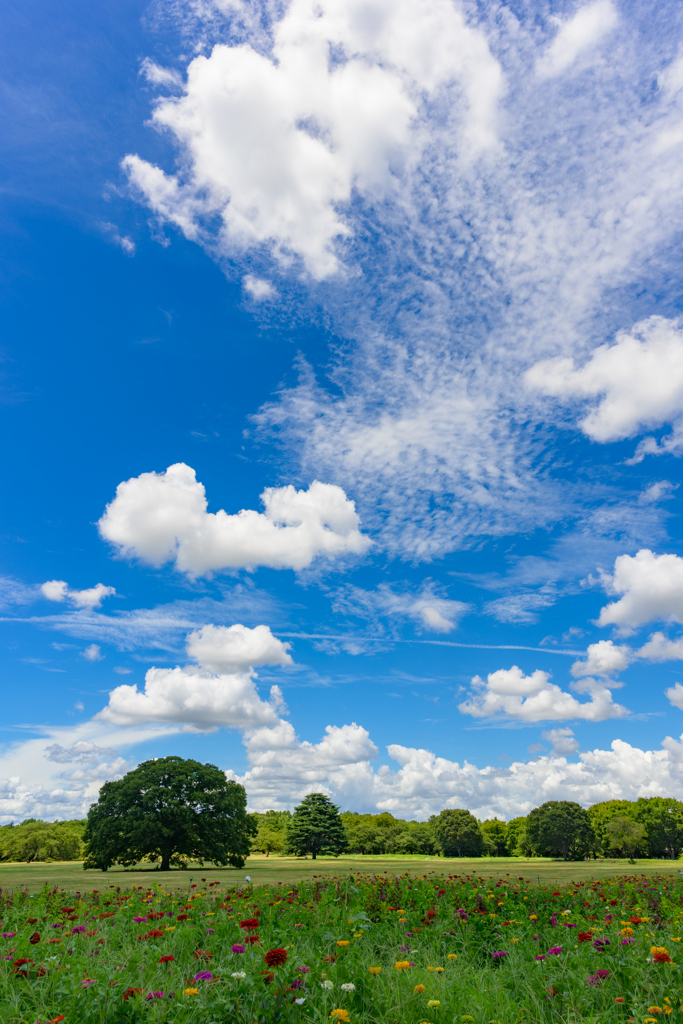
(70,875)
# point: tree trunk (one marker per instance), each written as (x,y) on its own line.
(313,854)
(165,862)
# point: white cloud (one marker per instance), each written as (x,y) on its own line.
(257,288)
(167,78)
(563,741)
(603,659)
(652,588)
(675,695)
(58,590)
(219,692)
(92,653)
(427,608)
(275,144)
(509,693)
(661,648)
(81,752)
(226,649)
(159,517)
(639,380)
(577,36)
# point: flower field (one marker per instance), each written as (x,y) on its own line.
(380,948)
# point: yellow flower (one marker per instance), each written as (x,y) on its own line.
(452,956)
(403,920)
(375,970)
(191,991)
(401,965)
(438,970)
(342,942)
(400,911)
(419,988)
(338,1015)
(649,1020)
(514,940)
(171,928)
(627,931)
(533,917)
(430,968)
(668,1009)
(677,939)
(434,1004)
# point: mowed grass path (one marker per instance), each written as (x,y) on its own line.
(70,875)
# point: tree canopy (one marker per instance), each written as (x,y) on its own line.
(458,833)
(560,828)
(42,840)
(316,827)
(169,810)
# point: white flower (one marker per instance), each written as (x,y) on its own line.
(348,986)
(326,984)
(239,974)
(300,1002)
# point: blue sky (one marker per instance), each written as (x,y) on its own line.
(342,389)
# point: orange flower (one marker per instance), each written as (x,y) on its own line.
(419,988)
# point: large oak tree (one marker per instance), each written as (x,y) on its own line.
(168,810)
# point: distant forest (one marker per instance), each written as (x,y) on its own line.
(649,827)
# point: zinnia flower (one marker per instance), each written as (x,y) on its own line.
(34,938)
(154,995)
(203,976)
(301,1001)
(342,942)
(660,955)
(434,1004)
(452,956)
(250,925)
(191,991)
(276,957)
(418,989)
(339,1015)
(166,959)
(240,975)
(326,985)
(238,949)
(130,992)
(375,970)
(348,986)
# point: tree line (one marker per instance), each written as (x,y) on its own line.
(173,811)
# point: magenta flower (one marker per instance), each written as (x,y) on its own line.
(404,949)
(540,956)
(499,953)
(203,976)
(77,929)
(303,970)
(555,951)
(8,935)
(238,949)
(139,920)
(154,995)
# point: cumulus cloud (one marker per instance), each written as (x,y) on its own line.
(652,588)
(275,143)
(92,653)
(576,37)
(603,659)
(220,691)
(161,517)
(563,741)
(508,693)
(661,648)
(58,590)
(675,695)
(428,608)
(638,380)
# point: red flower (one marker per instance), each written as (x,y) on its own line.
(56,1020)
(614,903)
(250,925)
(182,917)
(268,976)
(107,913)
(585,936)
(276,957)
(130,992)
(330,958)
(635,920)
(156,933)
(20,963)
(166,959)
(661,958)
(33,920)
(34,938)
(202,954)
(155,916)
(252,939)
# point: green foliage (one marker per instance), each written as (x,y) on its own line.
(662,818)
(625,836)
(316,827)
(495,838)
(169,810)
(516,838)
(42,841)
(457,833)
(271,831)
(602,813)
(382,833)
(560,828)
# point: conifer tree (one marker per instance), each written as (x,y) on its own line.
(315,827)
